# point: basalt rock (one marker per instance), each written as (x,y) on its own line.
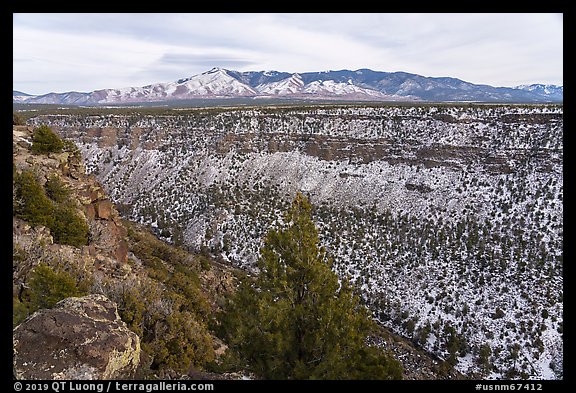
(81,338)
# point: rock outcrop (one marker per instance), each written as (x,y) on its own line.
(107,250)
(85,338)
(81,338)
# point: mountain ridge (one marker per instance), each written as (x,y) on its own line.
(361,85)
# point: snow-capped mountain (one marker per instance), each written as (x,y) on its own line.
(327,88)
(18,96)
(361,85)
(294,86)
(216,83)
(554,91)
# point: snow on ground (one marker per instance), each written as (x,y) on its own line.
(453,230)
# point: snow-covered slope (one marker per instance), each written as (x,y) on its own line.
(348,90)
(216,83)
(448,218)
(18,96)
(295,87)
(546,90)
(291,85)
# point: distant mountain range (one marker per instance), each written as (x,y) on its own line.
(359,85)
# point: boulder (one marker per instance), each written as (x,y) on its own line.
(62,158)
(90,211)
(108,238)
(80,338)
(104,209)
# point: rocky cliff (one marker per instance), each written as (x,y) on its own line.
(106,251)
(68,241)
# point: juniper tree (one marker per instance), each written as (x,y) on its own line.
(297,320)
(45,141)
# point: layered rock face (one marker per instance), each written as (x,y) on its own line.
(80,338)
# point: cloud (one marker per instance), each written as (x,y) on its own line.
(203,60)
(85,52)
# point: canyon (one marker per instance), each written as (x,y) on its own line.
(448,218)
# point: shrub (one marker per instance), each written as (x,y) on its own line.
(20,311)
(69,227)
(167,309)
(498,314)
(71,147)
(182,341)
(17,120)
(56,189)
(32,203)
(44,141)
(46,288)
(132,307)
(172,332)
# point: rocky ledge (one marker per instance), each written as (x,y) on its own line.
(81,338)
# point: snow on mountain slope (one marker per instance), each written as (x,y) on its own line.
(291,85)
(69,98)
(546,88)
(362,84)
(214,83)
(294,86)
(344,90)
(18,96)
(543,89)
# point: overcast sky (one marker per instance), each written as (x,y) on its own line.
(86,52)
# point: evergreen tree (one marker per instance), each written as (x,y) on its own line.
(44,141)
(32,203)
(17,119)
(56,189)
(297,321)
(69,227)
(48,287)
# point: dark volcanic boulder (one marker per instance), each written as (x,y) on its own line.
(81,338)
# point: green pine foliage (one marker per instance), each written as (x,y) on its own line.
(69,227)
(56,189)
(33,205)
(44,141)
(484,357)
(71,148)
(46,288)
(296,321)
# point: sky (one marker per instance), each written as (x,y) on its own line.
(86,52)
